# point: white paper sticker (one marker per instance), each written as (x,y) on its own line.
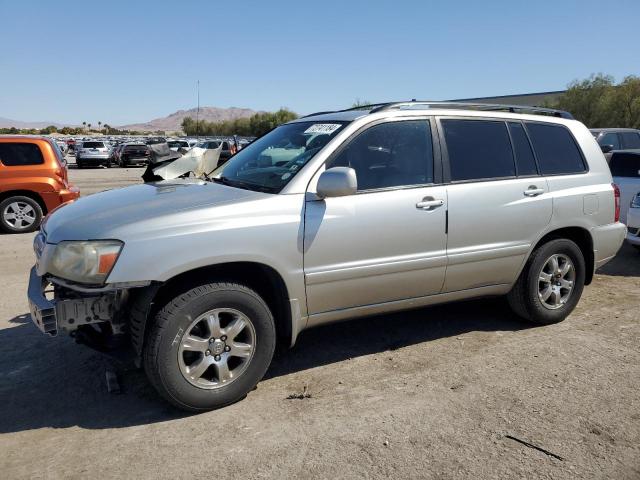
(327,128)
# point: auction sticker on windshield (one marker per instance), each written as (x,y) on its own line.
(327,128)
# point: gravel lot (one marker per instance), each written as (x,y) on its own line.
(441,392)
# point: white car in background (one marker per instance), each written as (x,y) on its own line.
(177,145)
(633,222)
(625,170)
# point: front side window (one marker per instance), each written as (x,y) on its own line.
(555,148)
(478,149)
(390,154)
(630,140)
(270,162)
(610,139)
(20,154)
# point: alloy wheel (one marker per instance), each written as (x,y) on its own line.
(19,215)
(216,348)
(556,281)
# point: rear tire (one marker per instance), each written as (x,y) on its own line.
(541,278)
(79,163)
(174,356)
(20,214)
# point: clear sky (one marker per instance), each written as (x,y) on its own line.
(128,61)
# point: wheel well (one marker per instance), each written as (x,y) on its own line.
(25,193)
(582,238)
(264,280)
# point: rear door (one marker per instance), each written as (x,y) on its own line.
(498,202)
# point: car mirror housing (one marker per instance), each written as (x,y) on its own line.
(337,182)
(606,148)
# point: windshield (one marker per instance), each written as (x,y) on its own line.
(270,162)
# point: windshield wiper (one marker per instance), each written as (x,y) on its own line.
(244,185)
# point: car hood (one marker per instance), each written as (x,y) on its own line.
(121,213)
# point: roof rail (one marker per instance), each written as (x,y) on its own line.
(476,106)
(359,107)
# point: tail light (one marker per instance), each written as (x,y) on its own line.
(616,196)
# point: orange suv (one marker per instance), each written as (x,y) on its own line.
(33,181)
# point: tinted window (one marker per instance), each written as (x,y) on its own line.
(92,145)
(630,140)
(610,139)
(478,149)
(15,154)
(390,155)
(625,165)
(525,161)
(555,148)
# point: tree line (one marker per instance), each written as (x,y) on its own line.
(254,126)
(598,102)
(106,129)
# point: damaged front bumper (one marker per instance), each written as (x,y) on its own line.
(55,314)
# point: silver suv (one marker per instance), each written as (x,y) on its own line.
(329,217)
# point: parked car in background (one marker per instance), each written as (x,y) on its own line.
(178,145)
(33,181)
(625,169)
(405,205)
(133,154)
(633,222)
(611,139)
(228,150)
(93,153)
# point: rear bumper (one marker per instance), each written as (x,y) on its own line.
(70,194)
(607,240)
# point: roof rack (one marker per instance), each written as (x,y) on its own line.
(475,106)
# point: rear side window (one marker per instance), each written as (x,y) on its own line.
(18,154)
(478,149)
(625,165)
(630,140)
(525,161)
(610,139)
(556,149)
(92,145)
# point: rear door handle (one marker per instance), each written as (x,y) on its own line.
(429,203)
(533,191)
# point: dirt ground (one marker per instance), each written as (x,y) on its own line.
(451,391)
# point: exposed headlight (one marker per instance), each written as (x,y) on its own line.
(635,203)
(85,262)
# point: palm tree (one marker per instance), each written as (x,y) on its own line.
(84,124)
(99,124)
(89,126)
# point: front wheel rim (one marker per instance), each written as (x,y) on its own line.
(216,348)
(556,281)
(19,215)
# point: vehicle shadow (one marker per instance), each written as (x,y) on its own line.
(54,383)
(625,264)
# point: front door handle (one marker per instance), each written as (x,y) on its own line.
(429,203)
(533,191)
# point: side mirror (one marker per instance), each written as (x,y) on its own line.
(337,182)
(606,148)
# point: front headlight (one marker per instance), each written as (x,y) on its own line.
(85,262)
(635,203)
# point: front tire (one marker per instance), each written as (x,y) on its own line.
(550,284)
(210,346)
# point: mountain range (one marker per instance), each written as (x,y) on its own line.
(170,123)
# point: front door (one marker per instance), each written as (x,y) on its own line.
(388,241)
